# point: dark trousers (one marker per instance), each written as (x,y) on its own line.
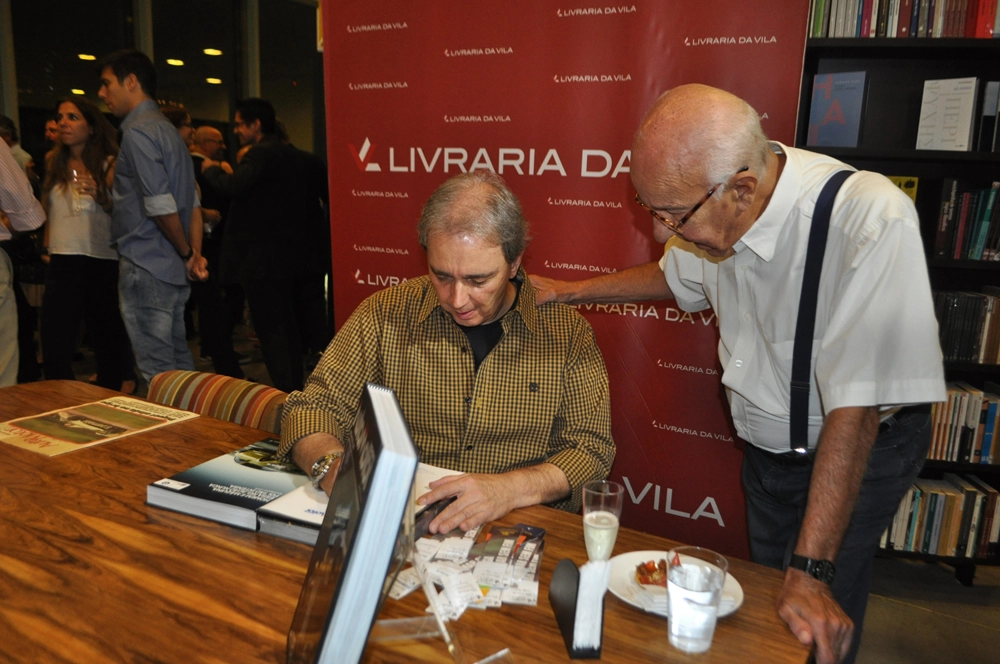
(776,492)
(78,289)
(288,316)
(215,327)
(27,317)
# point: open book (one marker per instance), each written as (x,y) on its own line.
(366,534)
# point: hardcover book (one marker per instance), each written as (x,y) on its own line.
(366,535)
(947,113)
(229,488)
(837,109)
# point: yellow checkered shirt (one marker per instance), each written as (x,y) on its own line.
(541,395)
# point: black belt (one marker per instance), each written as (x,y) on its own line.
(799,459)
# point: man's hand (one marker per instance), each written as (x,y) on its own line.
(546,290)
(207,163)
(211,217)
(226,168)
(196,267)
(814,616)
(480,498)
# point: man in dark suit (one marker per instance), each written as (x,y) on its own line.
(276,241)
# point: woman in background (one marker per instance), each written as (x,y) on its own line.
(82,280)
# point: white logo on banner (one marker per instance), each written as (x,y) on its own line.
(592,78)
(367,193)
(723,41)
(623,309)
(579,202)
(377,27)
(593,163)
(708,507)
(672,315)
(578,266)
(380,280)
(708,371)
(663,426)
(463,52)
(477,118)
(386,85)
(595,11)
(380,250)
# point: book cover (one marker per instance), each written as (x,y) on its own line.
(366,535)
(968,499)
(74,428)
(905,13)
(988,116)
(984,213)
(946,219)
(230,487)
(837,109)
(947,110)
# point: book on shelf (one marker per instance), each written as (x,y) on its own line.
(76,427)
(907,184)
(230,487)
(837,109)
(988,116)
(366,534)
(989,535)
(968,225)
(947,113)
(298,515)
(904,18)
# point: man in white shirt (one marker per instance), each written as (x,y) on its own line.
(876,360)
(24,213)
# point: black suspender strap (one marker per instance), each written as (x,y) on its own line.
(806,323)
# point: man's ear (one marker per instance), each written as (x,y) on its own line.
(256,125)
(514,266)
(745,186)
(130,82)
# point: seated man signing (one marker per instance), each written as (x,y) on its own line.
(512,395)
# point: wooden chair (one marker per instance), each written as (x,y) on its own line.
(222,397)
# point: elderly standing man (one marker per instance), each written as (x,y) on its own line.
(876,362)
(511,395)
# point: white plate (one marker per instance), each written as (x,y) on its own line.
(623,584)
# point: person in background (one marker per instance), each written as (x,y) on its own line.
(8,132)
(875,358)
(21,212)
(512,396)
(82,277)
(275,241)
(156,222)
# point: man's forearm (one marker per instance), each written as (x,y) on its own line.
(636,284)
(841,459)
(197,230)
(544,483)
(172,229)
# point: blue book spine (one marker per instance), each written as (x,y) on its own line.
(988,432)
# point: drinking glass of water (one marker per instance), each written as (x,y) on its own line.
(602,506)
(695,577)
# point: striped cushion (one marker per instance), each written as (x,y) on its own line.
(222,397)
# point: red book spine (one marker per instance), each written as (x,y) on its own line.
(905,14)
(866,18)
(971,12)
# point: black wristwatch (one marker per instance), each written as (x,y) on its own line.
(818,569)
(190,253)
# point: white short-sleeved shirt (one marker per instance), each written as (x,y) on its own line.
(876,336)
(83,233)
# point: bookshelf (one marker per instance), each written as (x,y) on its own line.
(896,71)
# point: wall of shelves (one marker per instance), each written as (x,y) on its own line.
(897,69)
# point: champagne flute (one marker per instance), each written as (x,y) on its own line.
(602,507)
(75,186)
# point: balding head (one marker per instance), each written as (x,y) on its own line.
(696,135)
(210,142)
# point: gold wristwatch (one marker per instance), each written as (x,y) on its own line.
(322,467)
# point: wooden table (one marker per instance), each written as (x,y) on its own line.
(89,573)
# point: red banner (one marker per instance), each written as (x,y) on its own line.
(549,96)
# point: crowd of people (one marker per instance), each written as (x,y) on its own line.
(497,377)
(143,219)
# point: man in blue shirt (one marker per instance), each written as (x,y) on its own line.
(156,222)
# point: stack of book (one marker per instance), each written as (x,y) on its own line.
(904,18)
(969,222)
(969,325)
(965,426)
(957,516)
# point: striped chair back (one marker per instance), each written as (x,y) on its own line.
(221,397)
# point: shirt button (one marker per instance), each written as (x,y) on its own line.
(738,363)
(468,447)
(464,349)
(746,315)
(468,400)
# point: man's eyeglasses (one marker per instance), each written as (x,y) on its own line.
(675,226)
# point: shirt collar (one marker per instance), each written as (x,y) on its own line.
(524,307)
(762,237)
(144,106)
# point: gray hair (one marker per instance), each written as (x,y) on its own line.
(738,143)
(478,203)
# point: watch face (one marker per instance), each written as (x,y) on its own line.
(822,570)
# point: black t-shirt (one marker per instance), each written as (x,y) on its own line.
(483,338)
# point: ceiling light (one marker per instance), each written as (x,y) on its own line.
(86,56)
(78,91)
(176,63)
(212,51)
(214,81)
